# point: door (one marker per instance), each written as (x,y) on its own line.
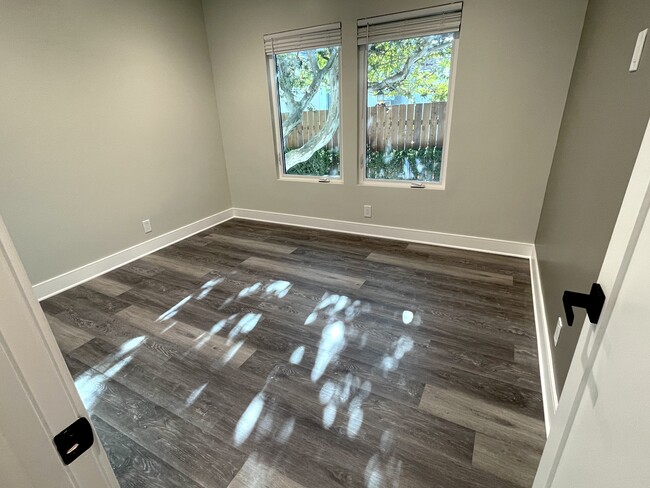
(38,397)
(601,432)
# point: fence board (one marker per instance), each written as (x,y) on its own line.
(443,124)
(417,126)
(410,125)
(385,141)
(371,123)
(389,127)
(399,127)
(376,136)
(436,120)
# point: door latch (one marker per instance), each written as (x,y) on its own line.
(74,440)
(593,303)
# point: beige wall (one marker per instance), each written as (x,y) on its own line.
(605,117)
(514,66)
(107,117)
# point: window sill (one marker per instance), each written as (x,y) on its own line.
(402,184)
(311,179)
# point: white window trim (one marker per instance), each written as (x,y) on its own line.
(277,130)
(329,180)
(363,114)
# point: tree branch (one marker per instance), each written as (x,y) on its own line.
(387,84)
(323,137)
(297,107)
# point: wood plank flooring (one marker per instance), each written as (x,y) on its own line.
(257,355)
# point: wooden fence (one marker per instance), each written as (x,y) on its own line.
(312,122)
(413,125)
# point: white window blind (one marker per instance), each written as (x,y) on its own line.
(414,23)
(303,39)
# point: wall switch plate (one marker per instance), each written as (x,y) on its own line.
(638,50)
(367,211)
(147,226)
(558,329)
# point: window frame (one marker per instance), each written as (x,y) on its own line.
(276,117)
(362,70)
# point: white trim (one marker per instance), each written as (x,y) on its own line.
(362,116)
(58,284)
(75,277)
(362,110)
(482,244)
(271,74)
(451,89)
(333,180)
(276,125)
(546,369)
(403,184)
(622,244)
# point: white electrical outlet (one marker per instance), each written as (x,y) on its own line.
(367,211)
(558,329)
(147,226)
(638,50)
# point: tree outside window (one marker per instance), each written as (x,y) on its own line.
(407,94)
(408,85)
(308,89)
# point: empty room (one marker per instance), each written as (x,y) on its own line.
(324,243)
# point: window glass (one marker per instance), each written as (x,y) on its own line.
(407,97)
(307,84)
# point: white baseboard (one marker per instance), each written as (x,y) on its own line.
(89,271)
(77,276)
(482,244)
(546,370)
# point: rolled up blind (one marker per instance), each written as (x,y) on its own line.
(414,23)
(303,39)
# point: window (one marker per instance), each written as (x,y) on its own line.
(406,65)
(304,71)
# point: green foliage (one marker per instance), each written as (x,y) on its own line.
(397,164)
(323,162)
(404,164)
(428,76)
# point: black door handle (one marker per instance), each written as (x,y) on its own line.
(593,303)
(74,440)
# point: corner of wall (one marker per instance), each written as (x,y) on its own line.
(559,126)
(544,353)
(219,135)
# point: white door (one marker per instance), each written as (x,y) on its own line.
(38,398)
(601,431)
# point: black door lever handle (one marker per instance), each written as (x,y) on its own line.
(593,303)
(74,440)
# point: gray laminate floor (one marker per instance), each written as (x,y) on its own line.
(257,355)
